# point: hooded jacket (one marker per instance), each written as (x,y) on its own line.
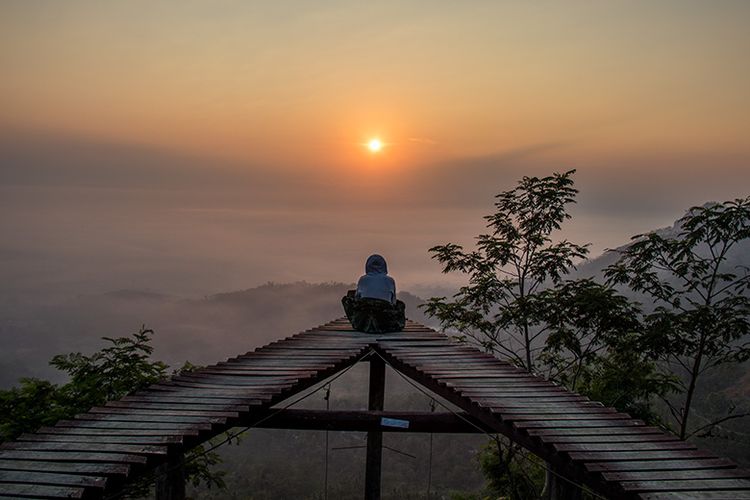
(376,284)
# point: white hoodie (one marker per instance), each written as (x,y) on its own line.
(376,284)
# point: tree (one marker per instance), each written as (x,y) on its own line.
(518,305)
(702,310)
(509,268)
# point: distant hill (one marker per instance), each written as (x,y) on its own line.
(202,330)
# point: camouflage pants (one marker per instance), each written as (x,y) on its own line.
(374,315)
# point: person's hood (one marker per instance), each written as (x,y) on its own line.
(376,265)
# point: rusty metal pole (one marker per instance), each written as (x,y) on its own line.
(375,438)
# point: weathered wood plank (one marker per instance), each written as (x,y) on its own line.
(88,431)
(52,478)
(722,484)
(696,495)
(512,417)
(153,426)
(202,402)
(660,465)
(551,411)
(77,438)
(121,413)
(176,419)
(97,469)
(674,475)
(19,490)
(621,446)
(593,431)
(64,456)
(608,438)
(547,424)
(620,456)
(218,411)
(86,447)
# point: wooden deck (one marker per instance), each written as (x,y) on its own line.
(97,453)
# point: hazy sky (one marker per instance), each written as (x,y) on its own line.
(194,146)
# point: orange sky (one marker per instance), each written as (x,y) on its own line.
(304,83)
(229,122)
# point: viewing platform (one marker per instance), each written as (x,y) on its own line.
(99,453)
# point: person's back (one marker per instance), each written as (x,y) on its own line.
(373,306)
(376,284)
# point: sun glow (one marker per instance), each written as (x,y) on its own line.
(375,145)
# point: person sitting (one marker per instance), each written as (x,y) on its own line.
(373,306)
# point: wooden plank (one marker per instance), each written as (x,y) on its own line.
(248,376)
(675,475)
(98,447)
(532,405)
(88,431)
(502,384)
(547,424)
(660,465)
(607,438)
(501,400)
(633,446)
(431,365)
(592,431)
(64,456)
(201,402)
(291,352)
(18,490)
(696,495)
(511,391)
(238,380)
(129,417)
(391,346)
(449,356)
(212,412)
(76,438)
(620,456)
(422,350)
(457,376)
(152,426)
(550,411)
(247,371)
(136,406)
(52,478)
(104,469)
(261,370)
(262,395)
(239,390)
(556,417)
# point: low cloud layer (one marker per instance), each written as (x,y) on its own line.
(82,216)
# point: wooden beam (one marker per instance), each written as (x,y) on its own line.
(170,478)
(366,421)
(375,437)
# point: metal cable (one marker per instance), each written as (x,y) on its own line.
(156,475)
(491,436)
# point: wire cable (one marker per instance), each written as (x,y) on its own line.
(481,429)
(163,473)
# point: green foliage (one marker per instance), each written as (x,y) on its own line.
(511,471)
(518,305)
(509,266)
(702,313)
(115,371)
(121,368)
(111,373)
(592,347)
(34,404)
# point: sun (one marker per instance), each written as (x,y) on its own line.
(375,145)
